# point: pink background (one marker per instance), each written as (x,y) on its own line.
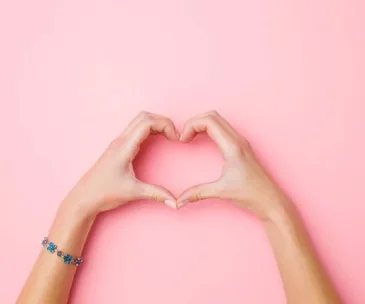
(288,74)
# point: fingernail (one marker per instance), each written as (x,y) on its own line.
(171,204)
(182,204)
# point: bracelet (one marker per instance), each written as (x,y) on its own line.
(67,258)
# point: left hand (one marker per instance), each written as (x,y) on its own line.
(243,180)
(111,182)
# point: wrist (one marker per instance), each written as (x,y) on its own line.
(71,227)
(76,212)
(79,205)
(282,215)
(278,209)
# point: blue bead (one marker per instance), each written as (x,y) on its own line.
(51,247)
(67,259)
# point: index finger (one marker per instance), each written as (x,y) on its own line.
(143,129)
(214,129)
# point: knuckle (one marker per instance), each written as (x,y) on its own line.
(211,119)
(147,120)
(199,195)
(213,113)
(154,197)
(166,121)
(143,114)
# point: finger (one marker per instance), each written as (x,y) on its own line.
(234,133)
(147,126)
(172,123)
(134,122)
(225,124)
(143,115)
(211,125)
(199,192)
(157,194)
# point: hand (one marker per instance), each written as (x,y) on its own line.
(111,182)
(243,180)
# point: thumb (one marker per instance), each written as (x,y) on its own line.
(199,192)
(157,194)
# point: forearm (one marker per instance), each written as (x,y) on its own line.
(246,182)
(110,183)
(304,279)
(51,279)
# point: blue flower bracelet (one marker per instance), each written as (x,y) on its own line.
(67,258)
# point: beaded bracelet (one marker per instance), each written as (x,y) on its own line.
(68,259)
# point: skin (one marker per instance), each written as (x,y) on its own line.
(111,182)
(245,182)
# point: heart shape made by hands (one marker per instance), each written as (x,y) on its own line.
(177,166)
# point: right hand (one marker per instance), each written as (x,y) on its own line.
(243,180)
(111,182)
